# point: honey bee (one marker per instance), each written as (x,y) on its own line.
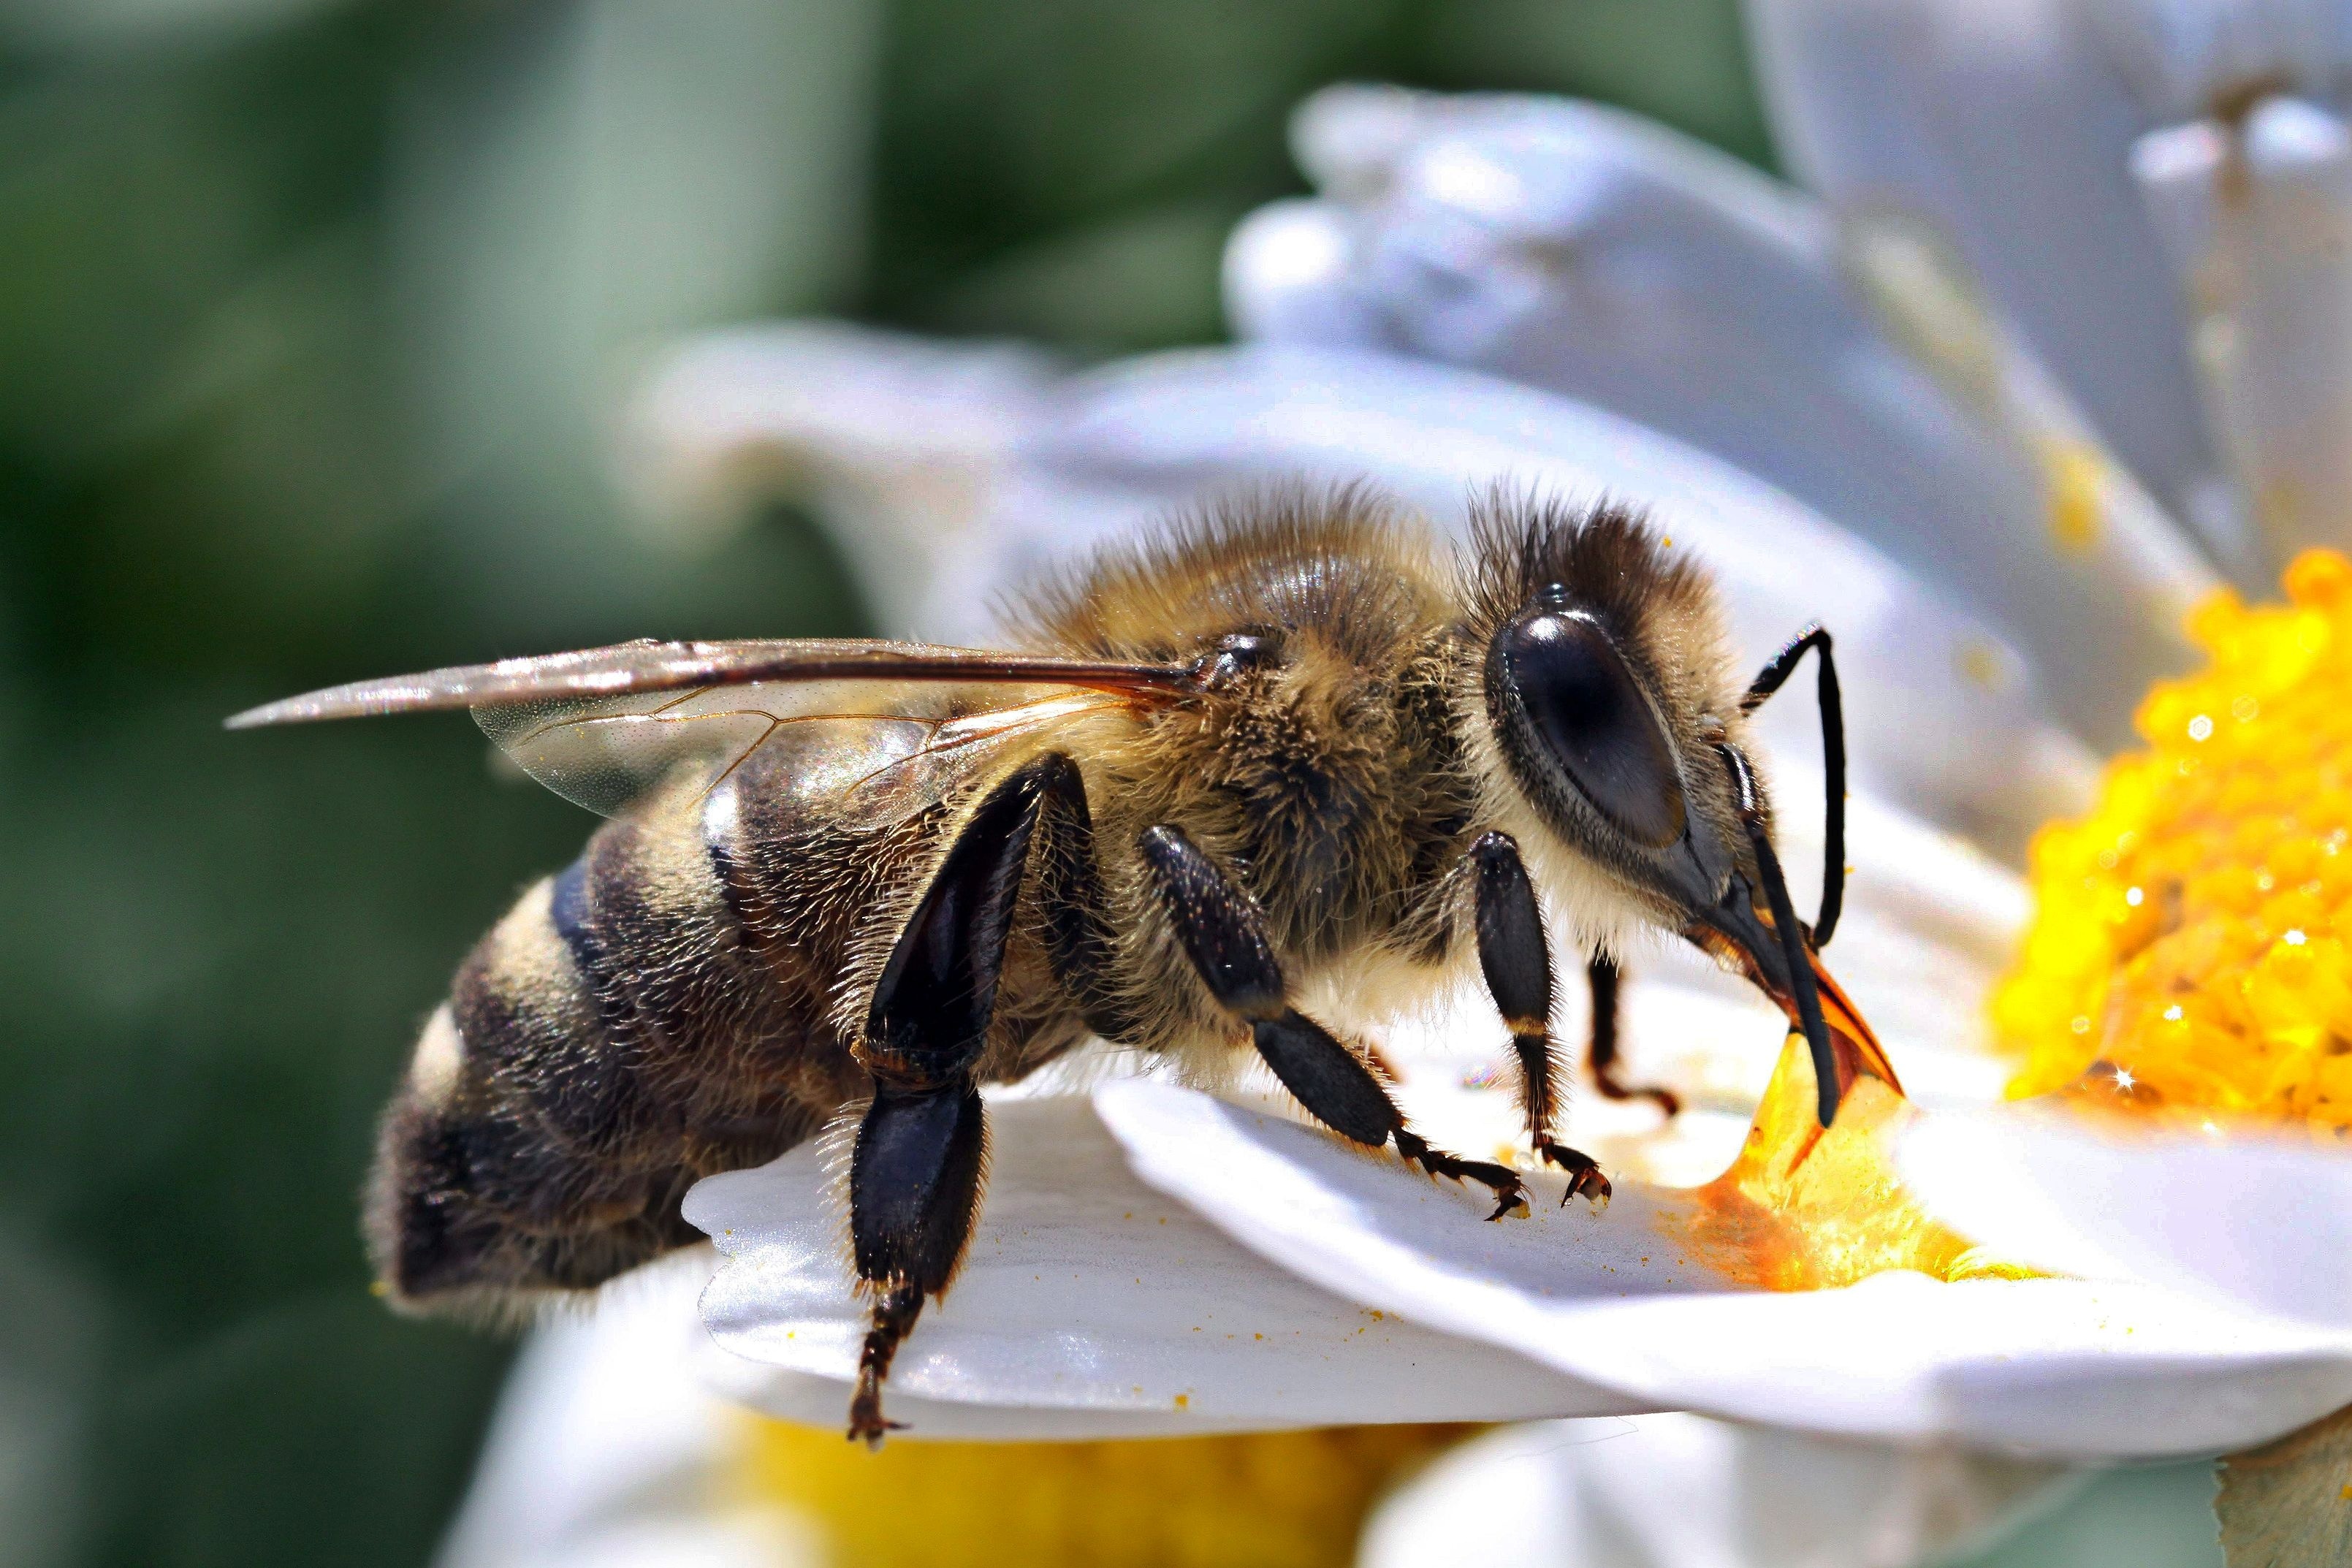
(1282,758)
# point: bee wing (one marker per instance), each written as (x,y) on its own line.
(603,726)
(866,747)
(633,668)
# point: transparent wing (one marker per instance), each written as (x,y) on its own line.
(637,669)
(862,744)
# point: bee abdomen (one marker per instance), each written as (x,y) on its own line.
(590,1065)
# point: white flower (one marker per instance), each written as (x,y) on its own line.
(1914,405)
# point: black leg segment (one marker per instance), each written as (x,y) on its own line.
(1603,975)
(1515,955)
(1769,679)
(1224,934)
(1070,900)
(914,1191)
(915,1177)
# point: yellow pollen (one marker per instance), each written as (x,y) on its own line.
(1280,1500)
(2188,943)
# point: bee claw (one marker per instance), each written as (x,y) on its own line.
(1510,1193)
(1584,1178)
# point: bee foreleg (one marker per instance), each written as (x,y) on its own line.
(915,1178)
(1515,958)
(1769,679)
(1224,932)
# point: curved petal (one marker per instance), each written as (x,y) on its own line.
(2053,1366)
(1682,1492)
(2008,126)
(2257,1223)
(2256,217)
(899,438)
(2184,56)
(1942,716)
(1090,1305)
(1577,249)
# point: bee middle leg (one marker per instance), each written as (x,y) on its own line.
(1515,956)
(1224,934)
(915,1176)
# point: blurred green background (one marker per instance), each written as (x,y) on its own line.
(314,317)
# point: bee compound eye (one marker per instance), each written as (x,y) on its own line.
(1588,718)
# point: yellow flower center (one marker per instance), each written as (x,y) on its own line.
(1270,1500)
(2184,948)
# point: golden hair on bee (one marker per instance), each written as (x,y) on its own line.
(1279,757)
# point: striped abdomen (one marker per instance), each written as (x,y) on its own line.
(629,1027)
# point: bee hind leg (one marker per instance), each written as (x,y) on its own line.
(915,1177)
(1515,957)
(1224,934)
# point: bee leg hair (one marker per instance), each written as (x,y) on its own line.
(1224,934)
(1515,958)
(1816,638)
(1070,900)
(915,1177)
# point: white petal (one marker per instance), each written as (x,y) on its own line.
(2182,57)
(899,438)
(1582,250)
(2258,221)
(606,1449)
(1289,277)
(1089,1306)
(2008,126)
(1942,716)
(2258,1224)
(1682,1491)
(2059,1367)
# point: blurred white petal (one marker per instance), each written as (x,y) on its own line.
(2183,58)
(1089,1306)
(2253,1222)
(2049,1366)
(607,1452)
(1684,1491)
(2257,219)
(900,440)
(1289,277)
(2007,125)
(1586,251)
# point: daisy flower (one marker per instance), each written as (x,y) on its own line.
(2051,347)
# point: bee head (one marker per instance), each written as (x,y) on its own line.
(1608,697)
